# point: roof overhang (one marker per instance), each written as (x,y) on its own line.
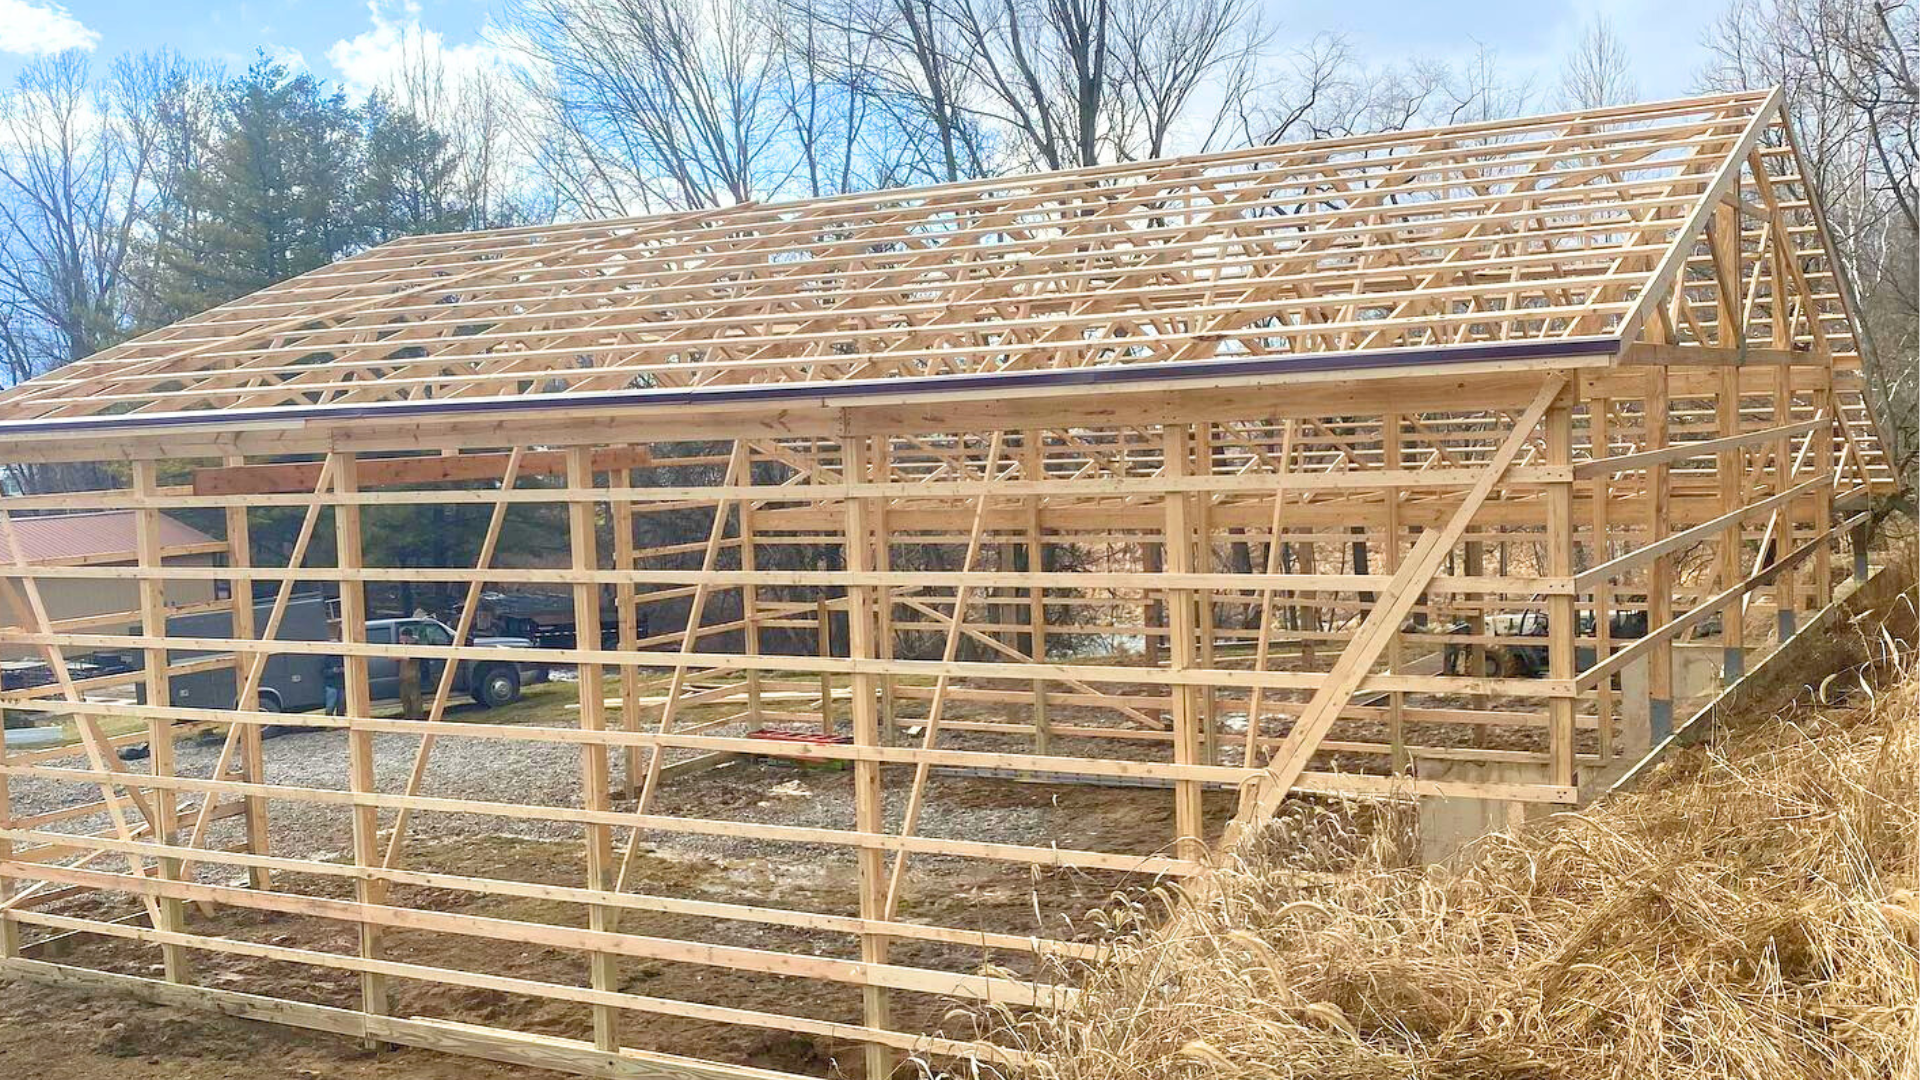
(266,430)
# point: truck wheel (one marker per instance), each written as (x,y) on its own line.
(498,685)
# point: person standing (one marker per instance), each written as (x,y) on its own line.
(410,704)
(333,676)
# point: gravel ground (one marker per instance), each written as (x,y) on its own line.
(547,774)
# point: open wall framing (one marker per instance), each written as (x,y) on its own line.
(1252,472)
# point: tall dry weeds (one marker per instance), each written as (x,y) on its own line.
(1751,914)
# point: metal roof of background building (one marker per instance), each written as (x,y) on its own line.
(92,537)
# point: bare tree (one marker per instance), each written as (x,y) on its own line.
(908,70)
(1479,89)
(1599,70)
(475,112)
(1169,54)
(1078,82)
(1326,91)
(81,164)
(670,102)
(1042,68)
(1851,70)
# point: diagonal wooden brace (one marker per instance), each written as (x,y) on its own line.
(98,748)
(1422,563)
(257,662)
(417,774)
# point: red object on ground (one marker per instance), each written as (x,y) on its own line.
(815,737)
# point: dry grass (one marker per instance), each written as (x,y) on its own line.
(1751,913)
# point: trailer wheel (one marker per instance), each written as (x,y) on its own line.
(497,685)
(270,702)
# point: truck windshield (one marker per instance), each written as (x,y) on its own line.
(430,633)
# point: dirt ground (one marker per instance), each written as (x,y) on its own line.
(55,1034)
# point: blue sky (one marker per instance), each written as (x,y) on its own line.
(339,39)
(349,40)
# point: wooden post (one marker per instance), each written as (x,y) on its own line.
(1730,468)
(1205,615)
(595,781)
(1473,561)
(9,926)
(1859,539)
(1307,615)
(1783,539)
(159,691)
(1392,458)
(252,752)
(823,630)
(1153,609)
(1829,406)
(1188,817)
(868,810)
(1774,247)
(750,596)
(626,611)
(882,596)
(824,602)
(1562,617)
(1660,574)
(1033,467)
(374,1000)
(1599,439)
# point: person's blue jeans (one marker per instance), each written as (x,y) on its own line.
(336,701)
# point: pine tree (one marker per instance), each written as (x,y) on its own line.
(407,182)
(275,196)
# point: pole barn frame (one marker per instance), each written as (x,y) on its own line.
(1323,424)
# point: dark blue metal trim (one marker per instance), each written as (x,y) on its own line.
(1113,375)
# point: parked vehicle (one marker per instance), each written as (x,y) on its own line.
(492,683)
(296,682)
(1515,661)
(292,682)
(32,674)
(546,618)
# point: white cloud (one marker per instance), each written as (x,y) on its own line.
(379,56)
(466,90)
(293,58)
(41,28)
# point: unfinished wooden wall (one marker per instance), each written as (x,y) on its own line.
(1079,602)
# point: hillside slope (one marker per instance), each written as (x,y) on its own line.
(1749,913)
